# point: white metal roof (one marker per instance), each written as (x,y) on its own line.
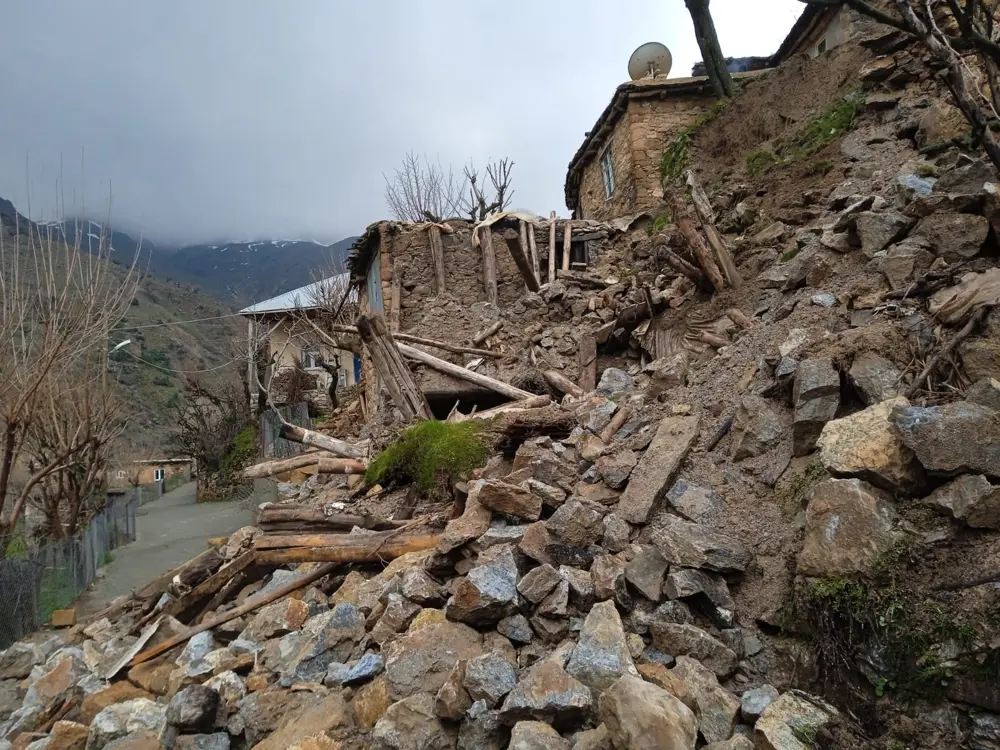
(303,298)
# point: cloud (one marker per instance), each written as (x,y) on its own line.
(234,119)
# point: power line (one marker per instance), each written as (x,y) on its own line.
(181,372)
(177,322)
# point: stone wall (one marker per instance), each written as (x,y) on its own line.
(593,203)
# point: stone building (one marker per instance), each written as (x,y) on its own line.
(816,31)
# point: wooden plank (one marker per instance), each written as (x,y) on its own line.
(703,208)
(533,248)
(695,243)
(395,297)
(395,374)
(270,468)
(388,549)
(567,245)
(552,246)
(521,260)
(209,586)
(437,256)
(505,389)
(588,363)
(317,518)
(489,264)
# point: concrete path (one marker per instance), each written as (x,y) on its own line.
(169,531)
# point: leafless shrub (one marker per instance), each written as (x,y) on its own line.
(208,421)
(421,190)
(477,205)
(292,382)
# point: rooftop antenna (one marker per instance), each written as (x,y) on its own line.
(650,60)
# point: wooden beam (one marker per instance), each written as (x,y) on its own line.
(396,296)
(437,257)
(317,518)
(588,363)
(481,337)
(505,389)
(521,260)
(454,348)
(583,279)
(703,208)
(515,407)
(684,268)
(562,384)
(209,586)
(552,246)
(395,374)
(489,264)
(567,245)
(695,243)
(270,468)
(533,248)
(319,440)
(359,551)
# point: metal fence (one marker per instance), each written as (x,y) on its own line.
(38,580)
(271,444)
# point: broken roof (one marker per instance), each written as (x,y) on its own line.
(303,298)
(813,17)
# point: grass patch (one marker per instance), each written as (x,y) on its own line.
(429,452)
(926,170)
(819,168)
(677,155)
(107,558)
(242,452)
(760,162)
(660,222)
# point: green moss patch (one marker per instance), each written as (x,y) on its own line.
(677,155)
(428,452)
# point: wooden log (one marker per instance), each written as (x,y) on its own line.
(395,297)
(270,468)
(533,248)
(209,586)
(684,268)
(251,605)
(437,256)
(481,337)
(713,339)
(514,407)
(562,384)
(740,318)
(567,245)
(318,440)
(521,260)
(489,264)
(619,418)
(703,207)
(588,363)
(583,279)
(455,348)
(225,592)
(317,518)
(394,373)
(155,588)
(552,246)
(699,249)
(360,551)
(505,389)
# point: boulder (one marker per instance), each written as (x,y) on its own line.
(646,570)
(577,523)
(67,735)
(689,640)
(617,533)
(581,586)
(656,469)
(816,395)
(420,588)
(121,719)
(601,656)
(536,584)
(939,124)
(482,729)
(708,591)
(545,465)
(615,382)
(599,415)
(117,692)
(790,718)
(411,724)
(736,742)
(700,504)
(510,500)
(329,636)
(939,436)
(875,378)
(489,678)
(536,735)
(556,604)
(756,428)
(547,693)
(642,716)
(193,708)
(666,373)
(954,237)
(867,445)
(231,689)
(420,661)
(488,592)
(616,468)
(904,261)
(754,702)
(472,524)
(363,670)
(283,616)
(693,545)
(593,739)
(16,662)
(371,702)
(535,542)
(550,495)
(848,525)
(971,499)
(715,707)
(879,230)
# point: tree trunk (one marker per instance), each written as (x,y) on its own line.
(711,50)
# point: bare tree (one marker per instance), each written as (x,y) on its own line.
(477,205)
(711,50)
(969,52)
(208,421)
(58,305)
(422,191)
(126,460)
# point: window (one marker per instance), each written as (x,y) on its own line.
(821,48)
(120,474)
(157,475)
(341,379)
(608,171)
(311,358)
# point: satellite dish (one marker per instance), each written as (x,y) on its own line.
(649,60)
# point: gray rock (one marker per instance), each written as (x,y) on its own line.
(545,465)
(709,591)
(536,735)
(939,436)
(824,299)
(615,382)
(549,629)
(756,428)
(275,620)
(482,729)
(556,604)
(971,499)
(536,584)
(879,230)
(645,571)
(420,588)
(329,636)
(489,678)
(516,628)
(689,640)
(616,468)
(667,373)
(217,741)
(699,504)
(784,719)
(399,613)
(985,392)
(336,673)
(642,716)
(193,708)
(452,699)
(717,708)
(278,579)
(547,693)
(909,186)
(954,237)
(420,661)
(121,719)
(904,261)
(602,655)
(411,724)
(617,533)
(510,500)
(754,702)
(487,594)
(472,524)
(16,662)
(499,534)
(550,495)
(577,523)
(600,416)
(816,396)
(985,733)
(581,586)
(364,669)
(875,378)
(192,659)
(693,545)
(608,576)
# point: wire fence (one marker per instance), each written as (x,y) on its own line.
(36,581)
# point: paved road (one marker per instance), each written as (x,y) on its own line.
(169,531)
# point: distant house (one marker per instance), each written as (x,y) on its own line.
(817,30)
(150,471)
(277,324)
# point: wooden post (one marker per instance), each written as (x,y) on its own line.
(562,384)
(437,255)
(567,246)
(703,208)
(552,246)
(481,337)
(393,370)
(521,260)
(318,440)
(505,389)
(588,363)
(684,268)
(694,241)
(533,247)
(395,297)
(489,264)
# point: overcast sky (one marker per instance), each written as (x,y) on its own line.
(236,119)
